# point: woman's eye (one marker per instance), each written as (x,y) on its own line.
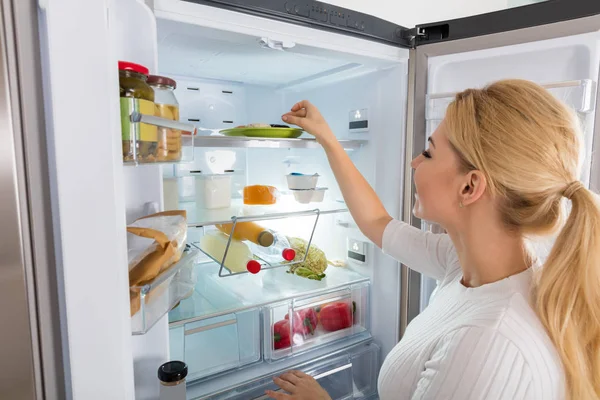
(426,154)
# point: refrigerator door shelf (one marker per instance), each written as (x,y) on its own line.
(217,344)
(153,300)
(302,324)
(351,374)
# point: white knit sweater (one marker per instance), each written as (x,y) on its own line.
(469,343)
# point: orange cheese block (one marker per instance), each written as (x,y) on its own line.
(260,195)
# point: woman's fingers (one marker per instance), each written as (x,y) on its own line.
(285,385)
(292,119)
(290,377)
(300,374)
(301,104)
(278,395)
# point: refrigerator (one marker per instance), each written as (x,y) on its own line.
(68,195)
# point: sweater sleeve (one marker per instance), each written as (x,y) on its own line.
(425,252)
(475,363)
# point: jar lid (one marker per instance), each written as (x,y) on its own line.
(161,80)
(172,371)
(129,66)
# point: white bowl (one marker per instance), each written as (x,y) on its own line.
(305,196)
(302,182)
(318,195)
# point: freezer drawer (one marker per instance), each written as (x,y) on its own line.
(300,324)
(217,344)
(351,374)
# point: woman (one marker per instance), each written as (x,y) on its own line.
(497,169)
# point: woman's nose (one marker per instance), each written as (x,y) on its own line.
(415,162)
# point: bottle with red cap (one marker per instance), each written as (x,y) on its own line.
(278,252)
(238,259)
(140,141)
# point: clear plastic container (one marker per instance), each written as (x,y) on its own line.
(163,293)
(302,324)
(169,140)
(213,191)
(217,344)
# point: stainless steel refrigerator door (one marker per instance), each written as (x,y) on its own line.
(31,359)
(416,134)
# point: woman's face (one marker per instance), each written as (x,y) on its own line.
(437,180)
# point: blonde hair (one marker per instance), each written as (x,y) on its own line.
(528,146)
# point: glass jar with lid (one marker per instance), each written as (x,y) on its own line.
(139,140)
(169,140)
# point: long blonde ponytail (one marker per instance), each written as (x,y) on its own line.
(568,296)
(528,145)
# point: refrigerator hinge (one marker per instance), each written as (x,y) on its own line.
(412,34)
(432,32)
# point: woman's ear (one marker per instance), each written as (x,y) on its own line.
(472,188)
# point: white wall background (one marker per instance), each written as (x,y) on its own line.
(411,13)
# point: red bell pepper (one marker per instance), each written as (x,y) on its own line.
(281,334)
(304,322)
(336,316)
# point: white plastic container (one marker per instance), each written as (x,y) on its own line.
(170,194)
(318,195)
(213,191)
(309,195)
(302,182)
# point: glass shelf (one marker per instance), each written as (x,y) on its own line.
(198,216)
(248,142)
(214,296)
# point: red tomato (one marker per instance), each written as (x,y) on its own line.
(336,316)
(281,334)
(304,322)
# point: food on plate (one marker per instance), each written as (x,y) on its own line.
(281,334)
(336,316)
(258,125)
(315,264)
(250,231)
(279,126)
(304,321)
(260,195)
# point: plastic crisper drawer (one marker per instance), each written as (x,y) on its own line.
(218,344)
(301,324)
(351,374)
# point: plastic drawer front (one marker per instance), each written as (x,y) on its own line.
(301,324)
(218,344)
(351,374)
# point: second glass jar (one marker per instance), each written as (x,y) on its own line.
(169,140)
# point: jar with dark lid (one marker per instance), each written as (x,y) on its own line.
(169,140)
(139,140)
(172,380)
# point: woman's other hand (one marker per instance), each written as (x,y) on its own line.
(307,116)
(299,385)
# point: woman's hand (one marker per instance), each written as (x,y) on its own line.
(308,117)
(299,385)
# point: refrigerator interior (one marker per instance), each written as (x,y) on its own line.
(567,66)
(226,79)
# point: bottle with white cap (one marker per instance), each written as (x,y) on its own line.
(172,380)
